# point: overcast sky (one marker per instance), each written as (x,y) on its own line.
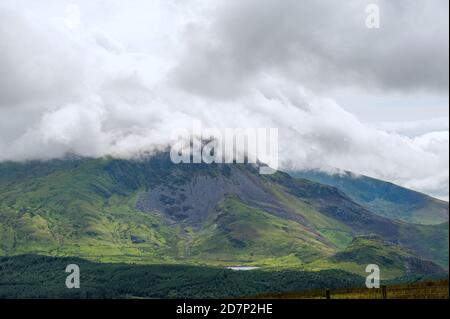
(98,77)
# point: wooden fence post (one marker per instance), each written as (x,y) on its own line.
(383,292)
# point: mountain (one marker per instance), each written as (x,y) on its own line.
(151,211)
(383,198)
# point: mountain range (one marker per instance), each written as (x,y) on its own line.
(151,211)
(383,198)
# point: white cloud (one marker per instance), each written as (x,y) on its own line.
(101,88)
(73,17)
(415,128)
(322,44)
(38,62)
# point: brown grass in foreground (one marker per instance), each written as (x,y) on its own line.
(422,290)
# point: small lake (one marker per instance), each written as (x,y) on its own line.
(242,268)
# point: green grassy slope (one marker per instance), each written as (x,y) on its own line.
(78,210)
(394,260)
(250,234)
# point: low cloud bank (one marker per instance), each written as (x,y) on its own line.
(69,88)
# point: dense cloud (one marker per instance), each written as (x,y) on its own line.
(102,78)
(320,44)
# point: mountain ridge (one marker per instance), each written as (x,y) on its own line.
(383,198)
(150,211)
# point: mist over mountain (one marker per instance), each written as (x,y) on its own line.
(97,80)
